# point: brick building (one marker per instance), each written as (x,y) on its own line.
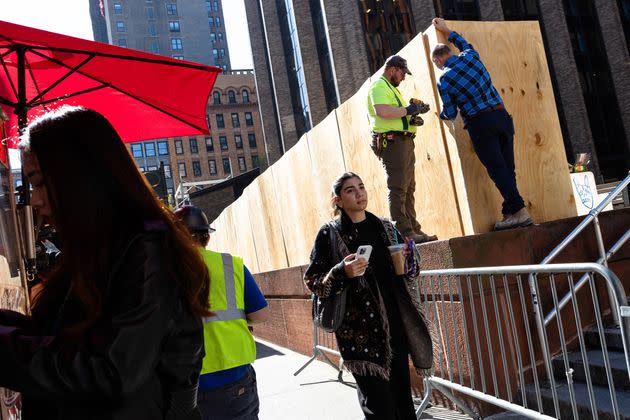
(343,43)
(192,30)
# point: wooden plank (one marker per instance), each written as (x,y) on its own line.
(295,189)
(266,223)
(354,132)
(326,155)
(435,198)
(244,246)
(524,83)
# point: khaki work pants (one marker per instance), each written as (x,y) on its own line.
(399,161)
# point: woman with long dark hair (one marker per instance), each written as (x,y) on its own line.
(116,332)
(383,324)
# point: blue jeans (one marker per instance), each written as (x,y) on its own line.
(235,401)
(492,136)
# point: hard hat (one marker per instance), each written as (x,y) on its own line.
(194,218)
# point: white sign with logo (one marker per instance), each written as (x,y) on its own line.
(585,192)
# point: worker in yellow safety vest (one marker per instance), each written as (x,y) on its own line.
(227,385)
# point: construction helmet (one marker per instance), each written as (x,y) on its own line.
(194,218)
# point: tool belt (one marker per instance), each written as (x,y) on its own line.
(380,140)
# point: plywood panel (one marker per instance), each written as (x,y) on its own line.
(266,223)
(435,198)
(295,189)
(524,83)
(243,229)
(324,145)
(354,131)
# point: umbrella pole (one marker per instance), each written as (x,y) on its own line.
(24,203)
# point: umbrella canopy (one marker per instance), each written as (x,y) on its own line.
(144,96)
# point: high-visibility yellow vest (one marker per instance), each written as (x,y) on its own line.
(227,339)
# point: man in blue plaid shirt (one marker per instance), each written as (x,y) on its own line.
(466,84)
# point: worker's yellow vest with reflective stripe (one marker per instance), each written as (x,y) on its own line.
(227,339)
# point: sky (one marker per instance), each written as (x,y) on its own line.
(72,17)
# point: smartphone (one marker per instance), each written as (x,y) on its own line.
(364,252)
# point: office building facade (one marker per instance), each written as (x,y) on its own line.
(311,55)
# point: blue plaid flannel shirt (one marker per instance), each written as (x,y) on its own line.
(465,83)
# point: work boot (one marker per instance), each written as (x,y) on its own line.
(519,219)
(422,237)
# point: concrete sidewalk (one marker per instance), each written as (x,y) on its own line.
(315,393)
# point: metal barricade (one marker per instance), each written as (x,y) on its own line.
(494,351)
(324,343)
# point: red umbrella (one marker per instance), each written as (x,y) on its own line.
(144,96)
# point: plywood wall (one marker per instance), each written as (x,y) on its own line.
(273,224)
(524,83)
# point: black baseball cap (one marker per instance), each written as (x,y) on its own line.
(397,61)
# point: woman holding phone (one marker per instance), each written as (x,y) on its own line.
(383,323)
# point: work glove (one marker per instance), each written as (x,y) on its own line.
(413,108)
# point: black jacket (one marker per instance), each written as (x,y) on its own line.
(363,336)
(141,360)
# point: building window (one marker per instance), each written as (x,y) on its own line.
(211,21)
(216,98)
(152,30)
(209,144)
(117,9)
(167,171)
(216,6)
(176,44)
(196,168)
(179,149)
(136,150)
(212,166)
(171,9)
(155,47)
(150,13)
(245,95)
(457,9)
(239,141)
(149,149)
(242,166)
(120,26)
(208,6)
(520,9)
(294,67)
(122,42)
(181,166)
(218,22)
(173,26)
(597,88)
(224,67)
(178,57)
(223,142)
(255,162)
(249,119)
(152,168)
(227,169)
(220,122)
(162,148)
(235,121)
(213,37)
(231,97)
(208,120)
(215,53)
(194,148)
(252,140)
(220,36)
(222,53)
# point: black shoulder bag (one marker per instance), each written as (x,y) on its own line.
(328,312)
